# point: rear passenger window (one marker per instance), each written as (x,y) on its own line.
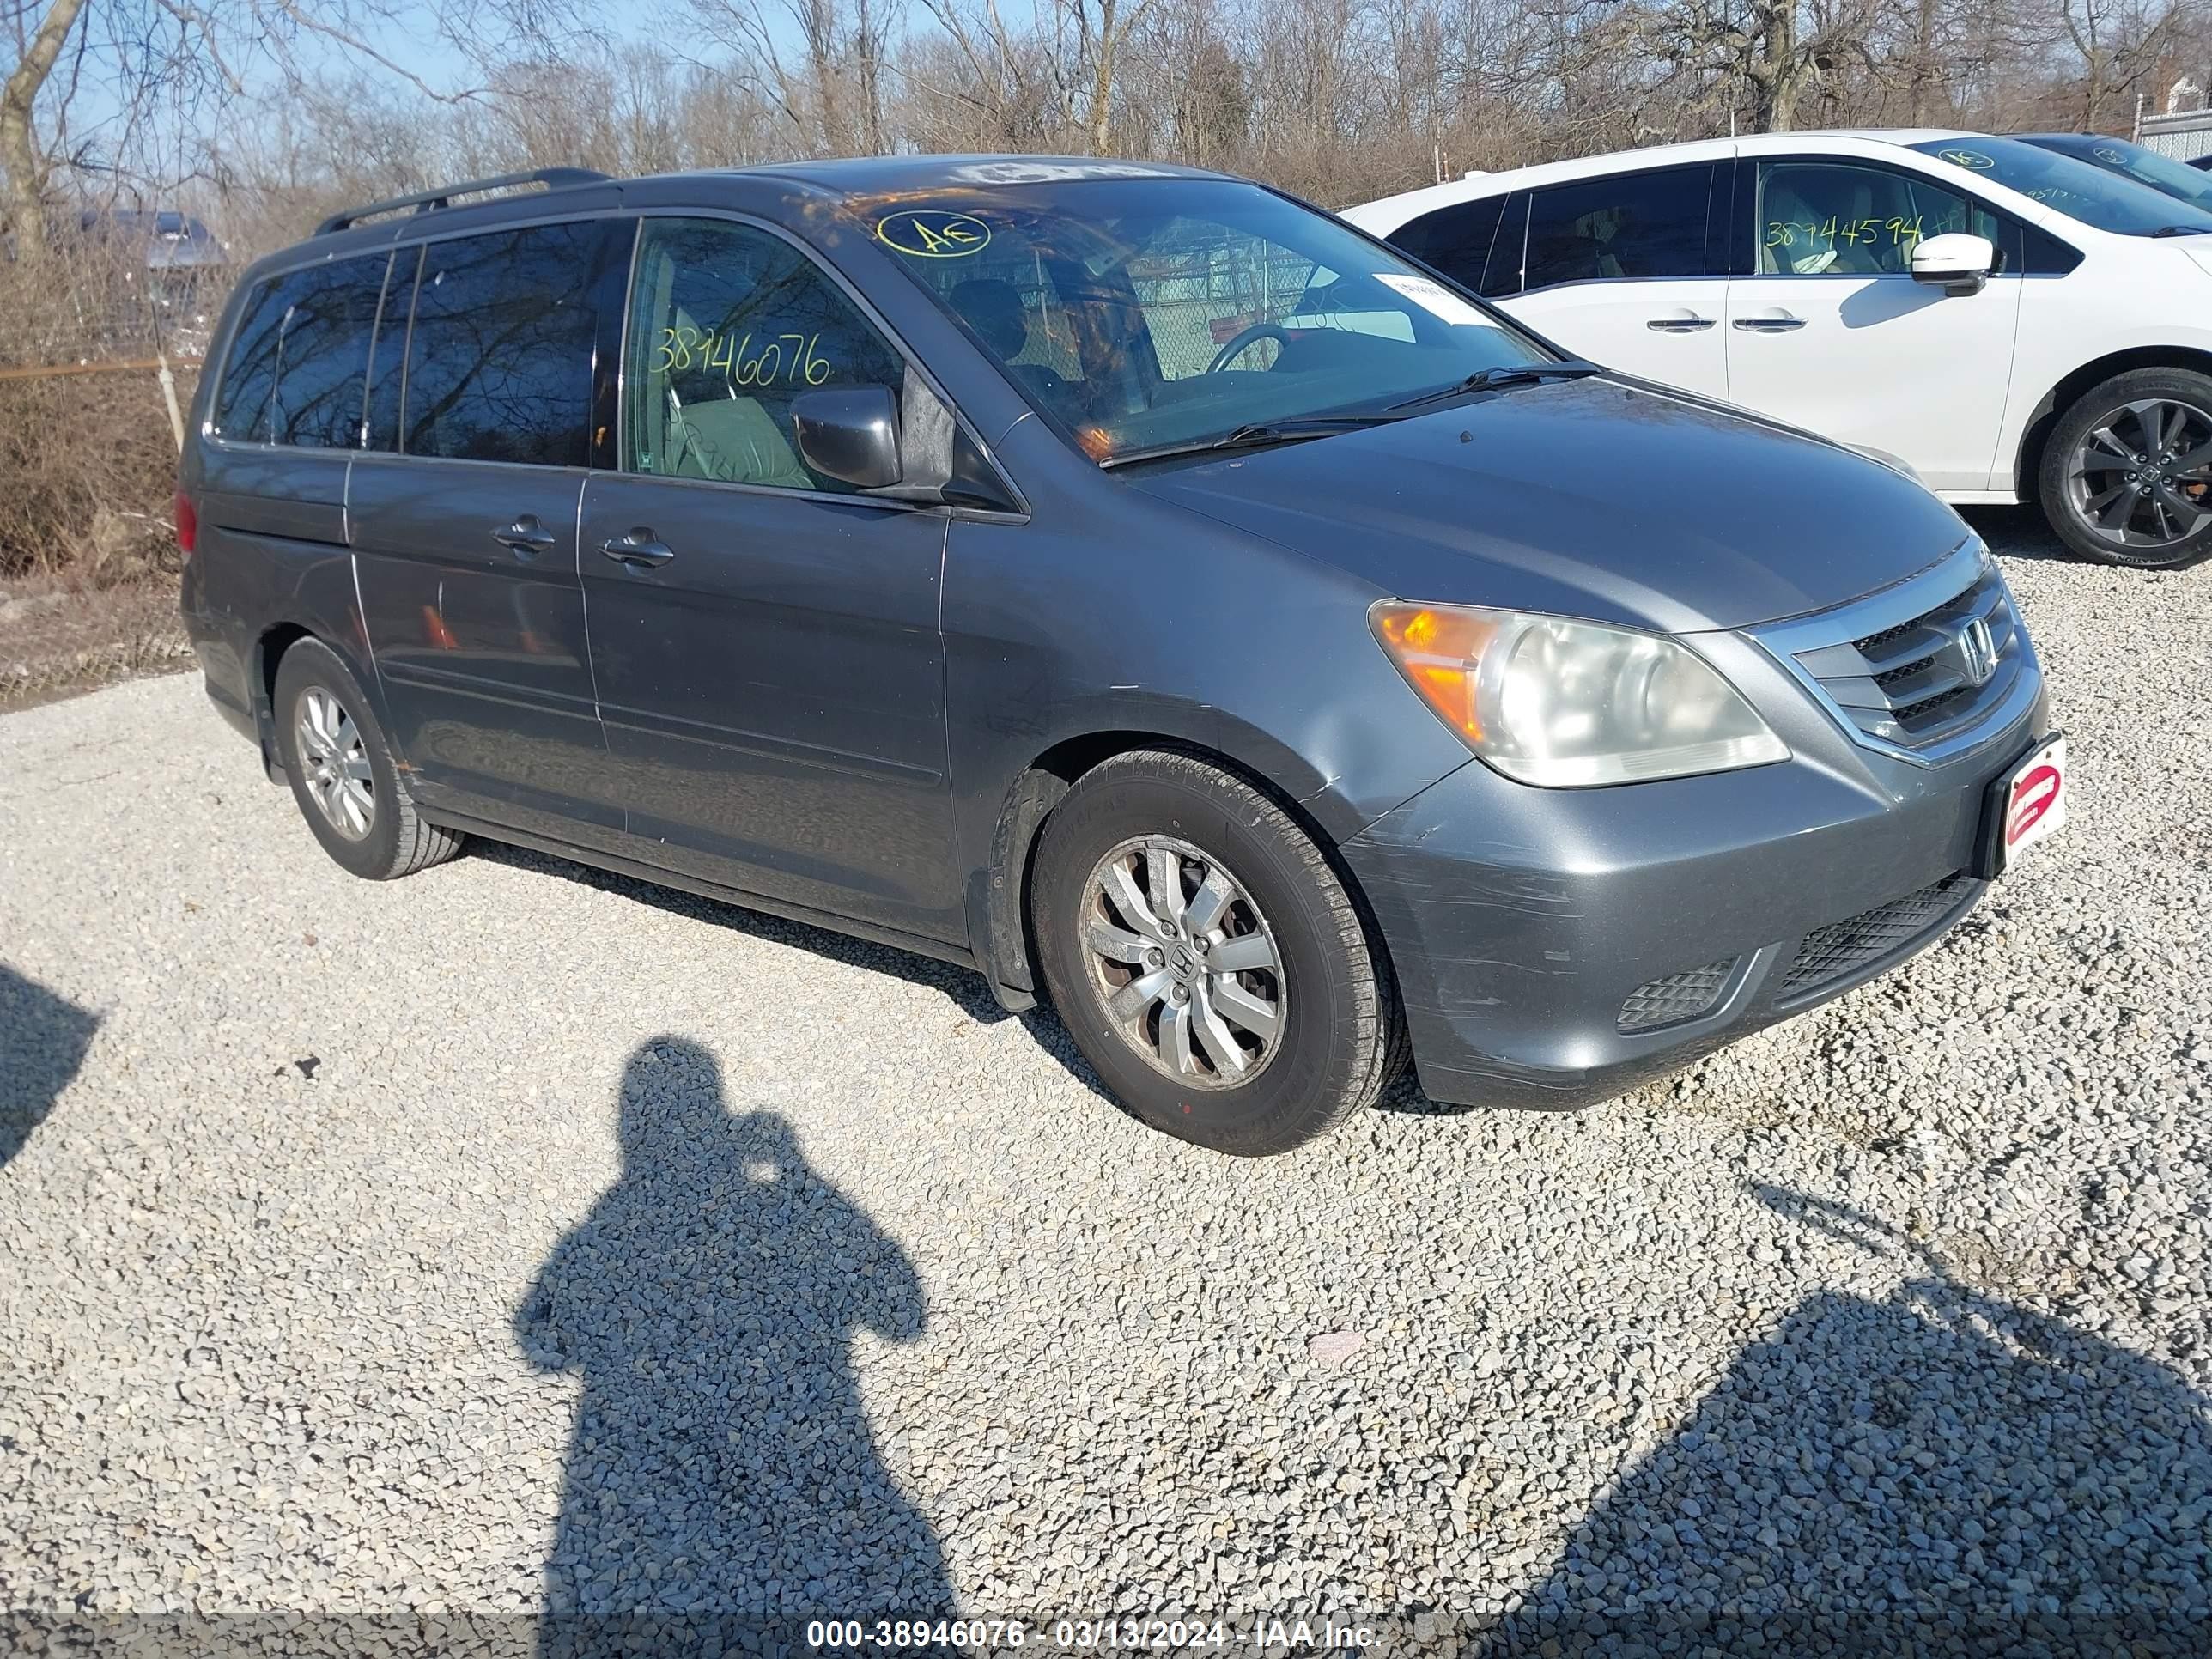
(727,325)
(1455,240)
(1640,224)
(298,367)
(499,366)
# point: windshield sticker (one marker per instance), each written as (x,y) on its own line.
(1433,298)
(1967,158)
(933,233)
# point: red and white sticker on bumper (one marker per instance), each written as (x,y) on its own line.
(2028,804)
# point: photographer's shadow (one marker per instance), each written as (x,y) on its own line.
(722,1463)
(1937,1470)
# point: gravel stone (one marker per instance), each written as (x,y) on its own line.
(513,1237)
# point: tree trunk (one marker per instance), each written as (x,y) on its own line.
(871,96)
(1778,85)
(23,189)
(821,23)
(1101,86)
(1924,65)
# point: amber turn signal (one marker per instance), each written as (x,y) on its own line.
(1439,651)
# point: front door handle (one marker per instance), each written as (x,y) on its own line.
(526,535)
(638,548)
(1680,325)
(1781,323)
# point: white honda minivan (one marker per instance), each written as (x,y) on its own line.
(2011,324)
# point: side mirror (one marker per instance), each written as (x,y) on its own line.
(849,433)
(1957,263)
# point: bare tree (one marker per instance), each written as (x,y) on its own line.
(2119,43)
(23,206)
(141,51)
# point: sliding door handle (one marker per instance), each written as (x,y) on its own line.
(638,548)
(1781,324)
(525,535)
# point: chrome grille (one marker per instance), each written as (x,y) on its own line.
(1916,670)
(1675,997)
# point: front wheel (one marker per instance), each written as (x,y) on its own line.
(1206,957)
(2127,475)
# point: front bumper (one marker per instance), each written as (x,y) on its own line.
(1521,922)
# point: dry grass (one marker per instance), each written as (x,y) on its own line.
(90,465)
(87,470)
(57,640)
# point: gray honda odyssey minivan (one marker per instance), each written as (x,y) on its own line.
(1127,580)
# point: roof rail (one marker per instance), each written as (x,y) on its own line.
(428,200)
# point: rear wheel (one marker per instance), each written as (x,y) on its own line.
(1206,957)
(2127,475)
(341,772)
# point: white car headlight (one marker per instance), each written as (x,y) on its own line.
(1572,705)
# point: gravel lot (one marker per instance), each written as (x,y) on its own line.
(513,1237)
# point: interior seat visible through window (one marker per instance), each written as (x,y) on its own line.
(728,326)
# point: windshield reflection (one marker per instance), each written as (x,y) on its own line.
(2079,189)
(1167,312)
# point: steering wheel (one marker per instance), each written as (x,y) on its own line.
(1246,338)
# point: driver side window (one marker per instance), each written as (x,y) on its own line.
(1836,219)
(728,326)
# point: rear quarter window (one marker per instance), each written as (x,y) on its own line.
(1455,240)
(297,370)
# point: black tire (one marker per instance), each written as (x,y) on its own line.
(396,840)
(1340,1035)
(2099,407)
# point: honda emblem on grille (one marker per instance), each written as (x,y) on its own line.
(1978,651)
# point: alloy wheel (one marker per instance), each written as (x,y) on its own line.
(2142,479)
(335,762)
(1186,965)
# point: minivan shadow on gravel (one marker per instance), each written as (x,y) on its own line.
(722,1471)
(42,1040)
(1937,1470)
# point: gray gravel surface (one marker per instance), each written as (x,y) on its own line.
(511,1238)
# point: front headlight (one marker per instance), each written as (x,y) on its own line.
(1570,705)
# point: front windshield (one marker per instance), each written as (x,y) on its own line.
(2145,167)
(1153,312)
(2079,190)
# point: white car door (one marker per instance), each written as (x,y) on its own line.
(1627,271)
(1831,333)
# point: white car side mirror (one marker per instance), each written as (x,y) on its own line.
(1959,263)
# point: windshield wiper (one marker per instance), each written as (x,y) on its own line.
(1256,433)
(2181,230)
(1504,374)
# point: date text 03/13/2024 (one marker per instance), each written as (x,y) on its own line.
(1087,1635)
